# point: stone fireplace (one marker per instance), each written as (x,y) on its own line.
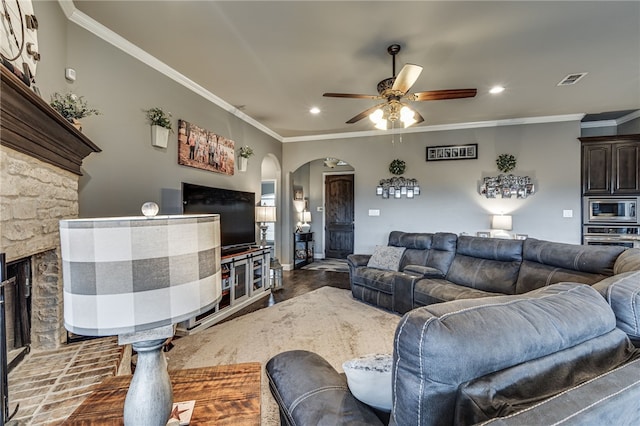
(40,164)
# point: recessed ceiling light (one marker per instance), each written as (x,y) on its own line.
(315,110)
(496,89)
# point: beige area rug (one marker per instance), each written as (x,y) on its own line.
(327,321)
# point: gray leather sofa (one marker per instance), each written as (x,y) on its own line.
(548,356)
(441,267)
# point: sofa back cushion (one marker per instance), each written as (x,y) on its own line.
(548,262)
(439,347)
(488,264)
(425,249)
(510,390)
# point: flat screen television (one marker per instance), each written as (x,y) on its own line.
(236,210)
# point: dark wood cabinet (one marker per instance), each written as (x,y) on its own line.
(302,249)
(611,165)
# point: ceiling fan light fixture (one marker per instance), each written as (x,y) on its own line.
(382,124)
(376,116)
(407,116)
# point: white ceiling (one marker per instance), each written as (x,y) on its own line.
(274,60)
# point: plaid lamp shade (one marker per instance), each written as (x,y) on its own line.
(129,274)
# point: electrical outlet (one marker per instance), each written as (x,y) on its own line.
(567,213)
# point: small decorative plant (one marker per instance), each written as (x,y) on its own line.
(71,106)
(245,151)
(506,162)
(397,167)
(157,117)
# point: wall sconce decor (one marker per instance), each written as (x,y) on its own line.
(398,186)
(507,186)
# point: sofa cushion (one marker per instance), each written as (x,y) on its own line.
(386,257)
(550,262)
(515,388)
(488,264)
(440,346)
(609,399)
(432,290)
(622,292)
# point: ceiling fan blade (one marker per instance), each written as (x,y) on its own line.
(350,95)
(406,78)
(438,95)
(364,114)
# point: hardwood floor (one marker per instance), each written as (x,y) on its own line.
(295,283)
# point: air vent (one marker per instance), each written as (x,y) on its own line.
(571,79)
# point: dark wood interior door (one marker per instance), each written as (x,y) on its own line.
(338,196)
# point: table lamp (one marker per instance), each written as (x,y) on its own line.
(306,218)
(501,223)
(135,277)
(264,215)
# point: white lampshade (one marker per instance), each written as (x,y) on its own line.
(503,222)
(265,214)
(129,274)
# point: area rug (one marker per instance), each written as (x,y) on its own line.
(327,321)
(333,265)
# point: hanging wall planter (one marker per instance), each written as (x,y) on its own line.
(160,126)
(242,164)
(159,136)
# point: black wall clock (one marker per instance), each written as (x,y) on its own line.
(19,41)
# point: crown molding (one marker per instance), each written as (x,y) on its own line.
(441,127)
(611,123)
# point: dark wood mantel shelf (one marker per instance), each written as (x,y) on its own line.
(29,125)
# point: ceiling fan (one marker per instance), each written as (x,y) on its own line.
(394,91)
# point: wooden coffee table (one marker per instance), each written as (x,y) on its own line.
(224,395)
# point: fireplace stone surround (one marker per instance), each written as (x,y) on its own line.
(40,165)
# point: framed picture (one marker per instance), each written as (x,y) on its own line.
(452,152)
(483,234)
(298,194)
(203,149)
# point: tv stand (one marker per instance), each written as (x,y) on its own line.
(236,250)
(245,279)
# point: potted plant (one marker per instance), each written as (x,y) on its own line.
(160,126)
(243,157)
(72,107)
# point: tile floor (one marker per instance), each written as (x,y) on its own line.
(49,385)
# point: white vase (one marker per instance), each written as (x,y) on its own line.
(159,136)
(242,164)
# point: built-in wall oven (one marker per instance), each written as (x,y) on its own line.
(610,210)
(609,235)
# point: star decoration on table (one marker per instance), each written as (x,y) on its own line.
(175,414)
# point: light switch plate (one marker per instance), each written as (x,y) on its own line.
(374,212)
(567,213)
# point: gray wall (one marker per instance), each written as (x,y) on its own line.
(549,153)
(129,171)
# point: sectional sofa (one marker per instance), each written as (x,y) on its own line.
(498,332)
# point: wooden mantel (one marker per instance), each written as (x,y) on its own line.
(29,125)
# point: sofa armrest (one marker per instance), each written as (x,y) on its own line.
(622,292)
(423,271)
(355,260)
(309,391)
